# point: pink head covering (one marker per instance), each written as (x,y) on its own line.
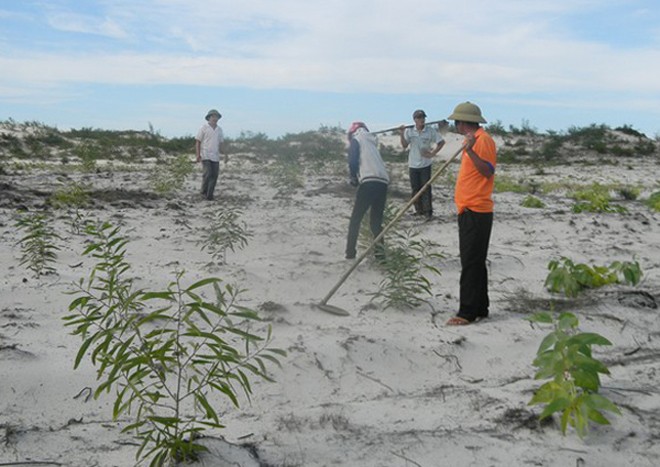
(354,127)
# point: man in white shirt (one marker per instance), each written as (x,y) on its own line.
(425,142)
(208,146)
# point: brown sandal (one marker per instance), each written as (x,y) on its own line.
(457,321)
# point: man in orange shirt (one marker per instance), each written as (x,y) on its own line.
(474,203)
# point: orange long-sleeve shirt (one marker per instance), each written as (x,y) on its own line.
(473,190)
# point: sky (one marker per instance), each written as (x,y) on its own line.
(287,66)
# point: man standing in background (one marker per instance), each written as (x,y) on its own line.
(208,146)
(425,142)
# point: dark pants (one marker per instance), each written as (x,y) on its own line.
(473,237)
(370,195)
(418,178)
(210,177)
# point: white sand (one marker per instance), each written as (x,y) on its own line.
(376,388)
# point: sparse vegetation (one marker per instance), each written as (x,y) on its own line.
(139,337)
(572,145)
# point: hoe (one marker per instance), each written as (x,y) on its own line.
(323,305)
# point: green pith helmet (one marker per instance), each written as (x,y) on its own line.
(213,112)
(467,112)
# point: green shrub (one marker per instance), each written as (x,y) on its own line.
(505,183)
(565,357)
(571,278)
(629,193)
(171,175)
(224,231)
(391,153)
(621,151)
(654,201)
(532,202)
(164,354)
(591,137)
(317,147)
(287,174)
(496,128)
(506,156)
(525,129)
(407,264)
(38,248)
(595,198)
(645,148)
(73,195)
(88,153)
(629,130)
(551,147)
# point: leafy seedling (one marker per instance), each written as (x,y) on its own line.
(565,358)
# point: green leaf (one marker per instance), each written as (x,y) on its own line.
(567,321)
(598,402)
(597,417)
(556,405)
(586,380)
(227,390)
(165,421)
(210,412)
(589,364)
(546,393)
(278,352)
(82,351)
(158,295)
(588,339)
(541,317)
(547,343)
(79,302)
(202,283)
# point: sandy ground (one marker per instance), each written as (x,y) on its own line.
(376,388)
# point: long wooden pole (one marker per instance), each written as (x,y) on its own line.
(390,225)
(444,122)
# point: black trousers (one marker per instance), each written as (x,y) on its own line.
(418,178)
(370,196)
(209,177)
(473,237)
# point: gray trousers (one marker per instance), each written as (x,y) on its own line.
(418,178)
(371,196)
(210,177)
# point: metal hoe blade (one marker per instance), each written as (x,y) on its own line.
(335,310)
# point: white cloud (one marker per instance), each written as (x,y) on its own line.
(87,24)
(536,66)
(505,48)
